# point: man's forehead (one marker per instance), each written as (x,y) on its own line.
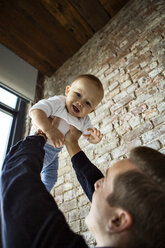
(122,166)
(125,162)
(117,169)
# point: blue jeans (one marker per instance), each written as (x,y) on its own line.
(50,166)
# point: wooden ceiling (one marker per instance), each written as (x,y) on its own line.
(45,33)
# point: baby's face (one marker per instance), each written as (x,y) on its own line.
(82,97)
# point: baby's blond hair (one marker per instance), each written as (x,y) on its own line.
(93,78)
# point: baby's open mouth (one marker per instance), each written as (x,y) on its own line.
(75,109)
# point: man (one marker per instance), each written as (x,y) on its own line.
(127,205)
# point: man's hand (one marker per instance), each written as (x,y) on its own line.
(71,141)
(72,135)
(95,135)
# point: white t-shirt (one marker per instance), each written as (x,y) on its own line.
(55,106)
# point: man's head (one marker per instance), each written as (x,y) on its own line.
(128,203)
(150,162)
(84,94)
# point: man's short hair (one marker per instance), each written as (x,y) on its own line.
(150,162)
(139,195)
(142,194)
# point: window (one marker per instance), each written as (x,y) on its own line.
(12,116)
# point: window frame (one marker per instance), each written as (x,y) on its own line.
(19,117)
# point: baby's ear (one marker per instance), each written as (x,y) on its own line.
(67,89)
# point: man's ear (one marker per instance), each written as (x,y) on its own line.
(67,89)
(120,221)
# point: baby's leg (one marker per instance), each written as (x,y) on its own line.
(50,166)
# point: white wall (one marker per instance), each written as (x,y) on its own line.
(17,74)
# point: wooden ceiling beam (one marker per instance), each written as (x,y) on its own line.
(68,17)
(29,34)
(45,33)
(47,24)
(93,13)
(19,48)
(113,6)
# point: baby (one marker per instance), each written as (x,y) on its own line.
(84,94)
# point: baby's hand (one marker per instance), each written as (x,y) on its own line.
(95,135)
(54,134)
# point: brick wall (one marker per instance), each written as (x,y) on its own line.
(128,55)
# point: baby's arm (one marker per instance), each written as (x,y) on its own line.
(41,120)
(95,135)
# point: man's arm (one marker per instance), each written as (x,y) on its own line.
(30,217)
(86,172)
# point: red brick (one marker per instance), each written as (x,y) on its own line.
(125,128)
(139,109)
(156,71)
(158,120)
(124,149)
(148,114)
(137,132)
(59,190)
(113,86)
(153,134)
(125,117)
(120,96)
(162,140)
(111,94)
(67,206)
(154,145)
(122,102)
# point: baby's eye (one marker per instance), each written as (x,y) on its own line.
(78,94)
(88,103)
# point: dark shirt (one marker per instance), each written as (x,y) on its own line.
(30,217)
(86,172)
